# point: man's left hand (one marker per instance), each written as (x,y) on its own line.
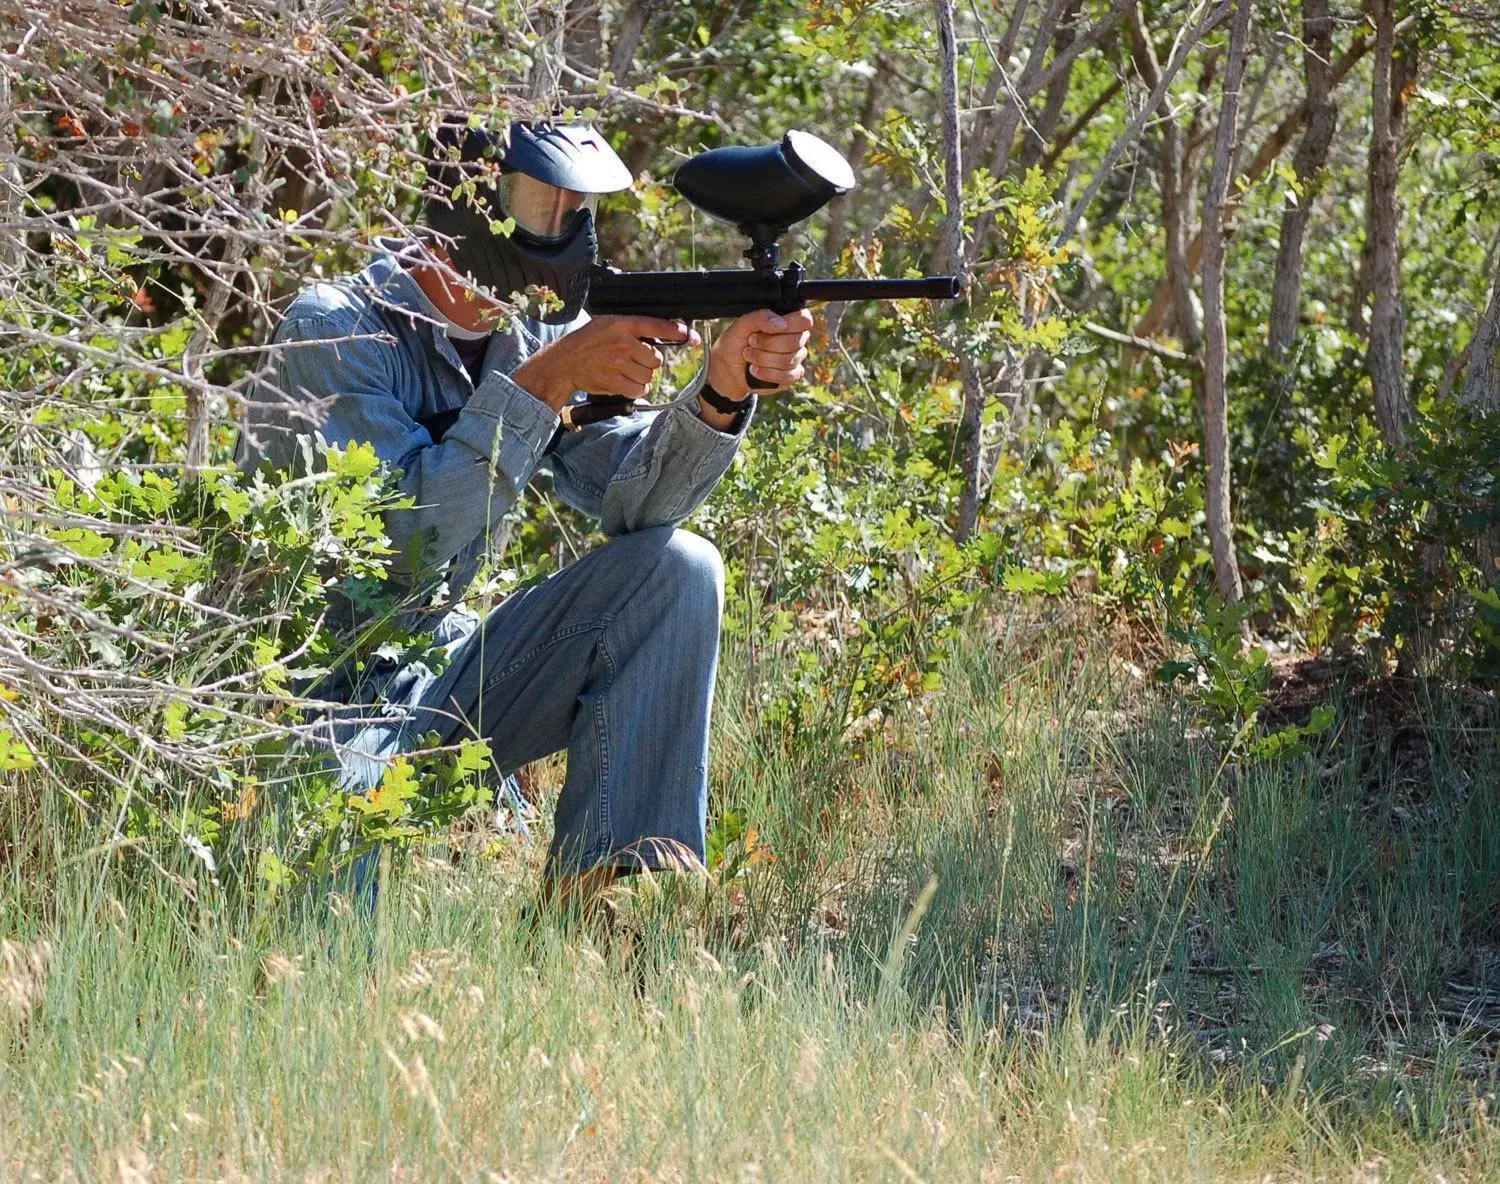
(773,346)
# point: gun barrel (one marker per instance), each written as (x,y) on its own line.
(705,295)
(930,287)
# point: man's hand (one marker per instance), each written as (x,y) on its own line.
(605,356)
(774,346)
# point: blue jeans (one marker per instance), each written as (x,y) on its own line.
(613,659)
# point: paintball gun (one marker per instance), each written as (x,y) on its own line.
(762,191)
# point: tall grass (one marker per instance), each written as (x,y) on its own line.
(1025,930)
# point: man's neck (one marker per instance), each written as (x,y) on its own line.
(461,306)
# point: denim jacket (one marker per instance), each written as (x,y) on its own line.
(366,359)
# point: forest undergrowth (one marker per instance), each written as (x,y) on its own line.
(1105,762)
(1030,925)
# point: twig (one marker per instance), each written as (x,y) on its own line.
(1185,45)
(1144,344)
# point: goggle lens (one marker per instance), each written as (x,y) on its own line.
(543,211)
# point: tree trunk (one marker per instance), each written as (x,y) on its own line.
(951,257)
(1215,342)
(1385,358)
(1259,166)
(544,87)
(12,190)
(838,212)
(951,253)
(628,38)
(1482,390)
(1176,189)
(584,39)
(1186,43)
(1482,383)
(1040,131)
(1312,156)
(1000,130)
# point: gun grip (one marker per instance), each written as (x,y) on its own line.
(756,384)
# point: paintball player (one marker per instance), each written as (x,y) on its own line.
(612,658)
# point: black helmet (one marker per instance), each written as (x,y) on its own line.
(542,177)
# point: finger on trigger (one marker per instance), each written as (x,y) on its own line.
(654,328)
(645,354)
(682,332)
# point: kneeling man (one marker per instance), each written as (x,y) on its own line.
(612,658)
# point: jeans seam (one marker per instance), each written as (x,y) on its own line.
(605,815)
(604,845)
(584,485)
(535,652)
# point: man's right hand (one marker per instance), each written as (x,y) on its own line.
(605,356)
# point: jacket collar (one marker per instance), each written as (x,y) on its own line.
(387,276)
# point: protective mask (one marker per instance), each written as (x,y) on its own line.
(507,265)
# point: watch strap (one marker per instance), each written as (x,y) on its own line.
(722,404)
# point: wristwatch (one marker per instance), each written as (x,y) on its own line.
(721,404)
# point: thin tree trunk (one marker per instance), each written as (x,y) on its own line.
(544,87)
(838,212)
(201,407)
(628,38)
(1215,342)
(1186,43)
(1271,148)
(1482,390)
(1176,189)
(1013,29)
(1000,131)
(13,245)
(1386,355)
(584,40)
(1039,134)
(859,144)
(1000,140)
(951,257)
(1482,382)
(1312,156)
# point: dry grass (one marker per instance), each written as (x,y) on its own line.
(1131,966)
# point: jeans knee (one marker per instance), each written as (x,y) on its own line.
(695,568)
(672,568)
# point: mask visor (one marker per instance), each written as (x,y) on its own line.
(543,211)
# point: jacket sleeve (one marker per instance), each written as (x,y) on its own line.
(337,380)
(653,468)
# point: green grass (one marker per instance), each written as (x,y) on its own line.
(1029,930)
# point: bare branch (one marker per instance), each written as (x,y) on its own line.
(1186,41)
